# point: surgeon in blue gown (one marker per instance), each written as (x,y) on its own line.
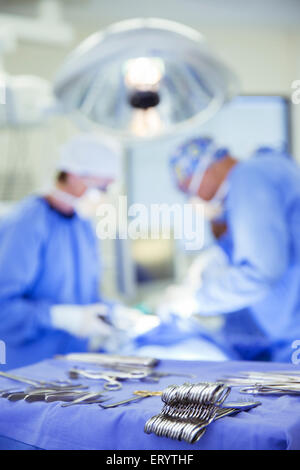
(254,276)
(49,264)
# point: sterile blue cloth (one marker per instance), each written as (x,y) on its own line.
(273,425)
(262,211)
(46,258)
(12,444)
(239,338)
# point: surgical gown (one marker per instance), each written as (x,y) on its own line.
(262,211)
(46,258)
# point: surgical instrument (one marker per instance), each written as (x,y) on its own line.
(271,389)
(269,383)
(112,383)
(88,398)
(146,374)
(38,392)
(189,408)
(263,377)
(34,382)
(111,377)
(139,395)
(110,359)
(155,376)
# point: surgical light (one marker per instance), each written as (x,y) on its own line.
(143,73)
(143,78)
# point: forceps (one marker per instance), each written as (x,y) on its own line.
(35,382)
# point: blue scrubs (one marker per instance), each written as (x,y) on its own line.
(263,244)
(46,258)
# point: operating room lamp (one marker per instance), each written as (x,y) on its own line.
(140,80)
(144,78)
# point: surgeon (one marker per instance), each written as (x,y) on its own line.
(252,273)
(49,263)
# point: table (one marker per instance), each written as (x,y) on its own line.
(273,425)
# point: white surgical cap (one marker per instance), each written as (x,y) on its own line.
(90,155)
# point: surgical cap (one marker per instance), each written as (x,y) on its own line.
(89,155)
(187,157)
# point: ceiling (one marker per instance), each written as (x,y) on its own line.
(199,13)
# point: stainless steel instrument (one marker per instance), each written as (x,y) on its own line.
(190,408)
(112,378)
(110,359)
(266,383)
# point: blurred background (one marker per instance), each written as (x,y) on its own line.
(260,41)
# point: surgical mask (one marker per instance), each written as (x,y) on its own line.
(214,208)
(85,205)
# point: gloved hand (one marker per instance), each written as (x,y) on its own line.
(83,321)
(210,259)
(132,321)
(179,300)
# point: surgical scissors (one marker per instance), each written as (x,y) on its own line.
(111,377)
